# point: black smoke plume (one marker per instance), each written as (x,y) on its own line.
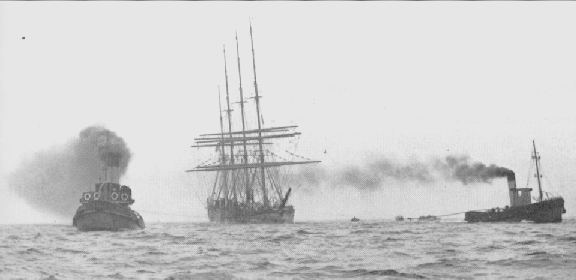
(53,180)
(461,168)
(375,173)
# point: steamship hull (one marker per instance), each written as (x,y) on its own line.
(106,216)
(546,211)
(239,215)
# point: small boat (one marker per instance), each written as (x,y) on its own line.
(399,218)
(428,218)
(354,219)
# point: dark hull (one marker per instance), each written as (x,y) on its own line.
(547,211)
(238,215)
(106,216)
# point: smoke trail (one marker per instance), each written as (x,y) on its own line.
(53,180)
(376,173)
(462,169)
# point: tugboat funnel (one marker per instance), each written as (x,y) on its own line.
(512,189)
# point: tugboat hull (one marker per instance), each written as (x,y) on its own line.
(103,216)
(237,215)
(546,211)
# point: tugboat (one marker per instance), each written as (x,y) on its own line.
(547,209)
(247,187)
(107,208)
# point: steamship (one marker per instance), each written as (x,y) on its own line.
(547,209)
(107,208)
(247,187)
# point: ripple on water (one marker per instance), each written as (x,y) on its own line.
(202,276)
(361,231)
(303,231)
(155,253)
(71,251)
(281,238)
(380,272)
(12,237)
(31,251)
(304,251)
(116,275)
(263,265)
(568,238)
(526,242)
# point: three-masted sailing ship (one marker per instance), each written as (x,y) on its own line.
(247,187)
(546,208)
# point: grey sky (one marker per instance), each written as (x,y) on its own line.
(401,80)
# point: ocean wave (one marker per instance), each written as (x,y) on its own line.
(263,265)
(12,237)
(71,251)
(303,251)
(202,276)
(527,242)
(380,272)
(303,231)
(282,238)
(32,251)
(116,275)
(361,231)
(568,238)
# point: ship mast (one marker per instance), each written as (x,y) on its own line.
(536,158)
(221,145)
(248,189)
(252,170)
(257,99)
(228,111)
(222,151)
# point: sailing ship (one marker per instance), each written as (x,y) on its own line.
(546,208)
(247,187)
(107,208)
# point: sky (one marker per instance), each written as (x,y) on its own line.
(400,80)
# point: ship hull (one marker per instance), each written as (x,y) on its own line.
(547,211)
(105,216)
(238,215)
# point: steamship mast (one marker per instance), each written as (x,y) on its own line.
(243,176)
(536,158)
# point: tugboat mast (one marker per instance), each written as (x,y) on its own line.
(536,158)
(257,98)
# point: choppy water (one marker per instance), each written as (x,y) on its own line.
(329,250)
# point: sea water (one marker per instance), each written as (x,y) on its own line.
(315,250)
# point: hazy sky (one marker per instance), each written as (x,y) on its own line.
(399,80)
